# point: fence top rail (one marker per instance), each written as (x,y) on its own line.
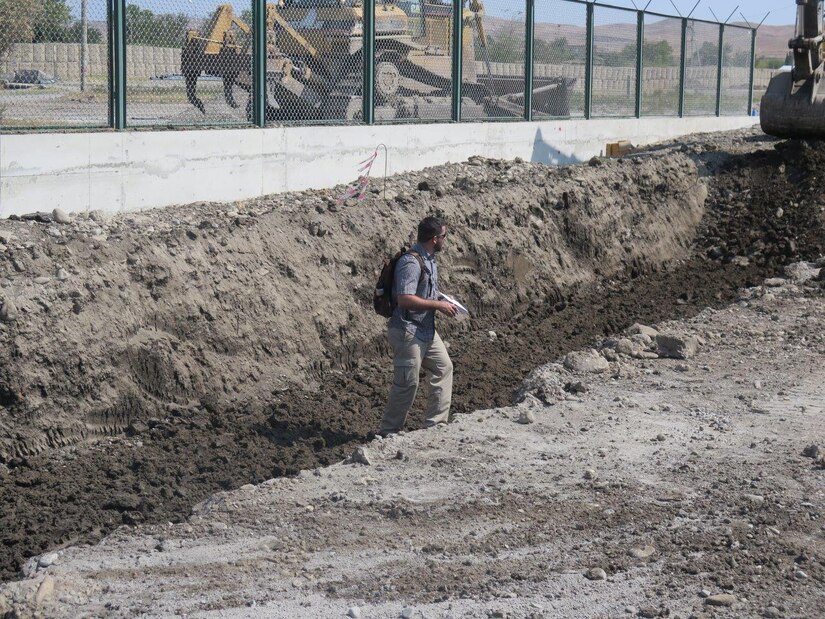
(704,21)
(605,6)
(738,27)
(662,15)
(656,14)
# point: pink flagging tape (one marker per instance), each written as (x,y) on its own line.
(358,189)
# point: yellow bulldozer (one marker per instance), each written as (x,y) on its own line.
(314,62)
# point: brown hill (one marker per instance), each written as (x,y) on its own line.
(771,41)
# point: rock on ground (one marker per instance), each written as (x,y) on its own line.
(587,361)
(676,347)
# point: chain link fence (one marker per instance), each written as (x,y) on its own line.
(614,62)
(494,81)
(54,64)
(186,63)
(559,59)
(179,63)
(661,62)
(415,82)
(701,68)
(315,63)
(736,71)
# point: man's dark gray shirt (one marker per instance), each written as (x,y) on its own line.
(410,280)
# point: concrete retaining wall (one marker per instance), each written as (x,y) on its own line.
(62,60)
(623,79)
(138,170)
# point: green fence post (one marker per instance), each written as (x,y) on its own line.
(117,63)
(110,66)
(753,71)
(259,62)
(588,62)
(529,42)
(458,52)
(369,62)
(640,44)
(682,69)
(719,67)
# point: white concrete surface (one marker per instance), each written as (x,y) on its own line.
(137,170)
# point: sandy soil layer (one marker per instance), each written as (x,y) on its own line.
(656,488)
(151,360)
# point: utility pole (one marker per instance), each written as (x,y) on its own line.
(84,43)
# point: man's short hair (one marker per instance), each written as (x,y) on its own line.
(429,227)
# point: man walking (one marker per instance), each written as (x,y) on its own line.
(411,331)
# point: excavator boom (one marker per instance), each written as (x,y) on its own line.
(273,17)
(794,105)
(216,31)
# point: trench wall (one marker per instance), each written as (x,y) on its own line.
(127,171)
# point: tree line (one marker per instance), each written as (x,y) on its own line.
(52,21)
(510,48)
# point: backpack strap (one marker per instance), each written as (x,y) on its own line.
(420,260)
(424,268)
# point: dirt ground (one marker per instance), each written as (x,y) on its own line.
(656,487)
(244,347)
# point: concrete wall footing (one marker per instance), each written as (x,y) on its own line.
(117,172)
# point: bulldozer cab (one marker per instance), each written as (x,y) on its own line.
(424,22)
(415,14)
(438,29)
(428,23)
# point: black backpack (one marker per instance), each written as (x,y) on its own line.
(382,300)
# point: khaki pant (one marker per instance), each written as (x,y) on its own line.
(409,355)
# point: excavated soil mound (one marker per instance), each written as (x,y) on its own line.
(202,306)
(150,360)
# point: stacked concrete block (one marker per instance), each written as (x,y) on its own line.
(135,61)
(62,60)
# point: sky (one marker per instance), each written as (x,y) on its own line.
(782,12)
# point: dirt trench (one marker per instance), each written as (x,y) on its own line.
(179,352)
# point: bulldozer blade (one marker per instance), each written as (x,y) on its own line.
(792,115)
(476,91)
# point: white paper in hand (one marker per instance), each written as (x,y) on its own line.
(449,299)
